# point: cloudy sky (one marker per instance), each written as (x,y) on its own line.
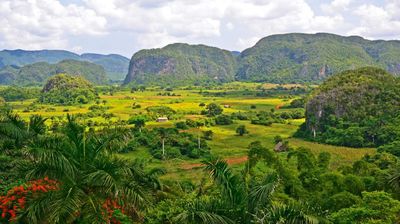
(125,26)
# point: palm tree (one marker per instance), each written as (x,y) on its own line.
(202,211)
(247,199)
(394,177)
(89,174)
(163,133)
(17,131)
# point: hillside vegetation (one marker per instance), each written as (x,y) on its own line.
(116,66)
(314,57)
(286,58)
(67,90)
(178,64)
(355,108)
(38,73)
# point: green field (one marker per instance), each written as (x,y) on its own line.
(225,142)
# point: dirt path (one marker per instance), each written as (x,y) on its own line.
(230,161)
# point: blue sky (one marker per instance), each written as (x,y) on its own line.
(126,26)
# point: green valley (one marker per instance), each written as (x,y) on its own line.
(299,128)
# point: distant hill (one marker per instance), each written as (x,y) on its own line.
(38,73)
(116,66)
(285,58)
(314,57)
(181,64)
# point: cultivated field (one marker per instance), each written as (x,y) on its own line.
(225,143)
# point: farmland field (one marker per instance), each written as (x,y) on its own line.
(225,142)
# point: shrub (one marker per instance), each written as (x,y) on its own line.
(223,120)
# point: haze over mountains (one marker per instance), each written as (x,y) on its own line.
(36,74)
(116,66)
(285,58)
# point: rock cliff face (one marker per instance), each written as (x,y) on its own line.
(181,64)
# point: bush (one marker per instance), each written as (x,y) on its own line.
(241,130)
(208,134)
(214,109)
(181,125)
(223,120)
(262,122)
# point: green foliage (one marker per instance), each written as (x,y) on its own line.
(180,64)
(181,125)
(14,93)
(375,207)
(213,109)
(341,200)
(355,108)
(168,143)
(138,121)
(392,148)
(160,111)
(223,120)
(208,134)
(241,130)
(116,66)
(38,73)
(298,103)
(299,58)
(67,90)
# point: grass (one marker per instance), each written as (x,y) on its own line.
(225,142)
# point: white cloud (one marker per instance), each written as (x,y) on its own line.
(38,24)
(35,24)
(378,21)
(336,6)
(200,20)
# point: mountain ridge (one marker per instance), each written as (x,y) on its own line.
(38,73)
(280,58)
(115,65)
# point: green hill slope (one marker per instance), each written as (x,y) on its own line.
(38,73)
(313,57)
(116,66)
(181,64)
(355,108)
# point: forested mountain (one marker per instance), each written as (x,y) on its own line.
(115,65)
(286,58)
(181,64)
(38,73)
(313,57)
(355,108)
